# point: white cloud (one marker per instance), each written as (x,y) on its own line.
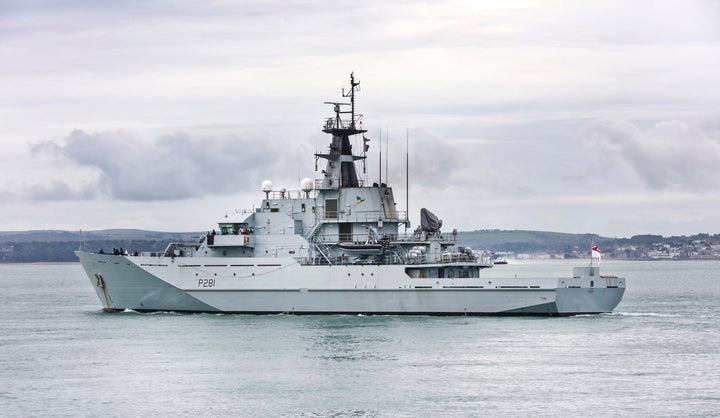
(171,167)
(668,155)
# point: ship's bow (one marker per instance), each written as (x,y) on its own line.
(120,283)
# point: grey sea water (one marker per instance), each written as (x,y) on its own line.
(658,354)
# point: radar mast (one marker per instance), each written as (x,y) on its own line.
(340,170)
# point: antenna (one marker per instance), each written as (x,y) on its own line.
(387,153)
(380,160)
(337,108)
(407,178)
(351,94)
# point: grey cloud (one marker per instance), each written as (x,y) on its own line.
(171,167)
(438,163)
(46,147)
(668,155)
(58,190)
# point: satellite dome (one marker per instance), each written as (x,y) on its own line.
(267,186)
(306,185)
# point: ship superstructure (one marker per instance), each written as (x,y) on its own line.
(333,246)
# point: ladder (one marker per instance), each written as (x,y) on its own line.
(321,247)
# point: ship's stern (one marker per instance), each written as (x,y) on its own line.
(588,292)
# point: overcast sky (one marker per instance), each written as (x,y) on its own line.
(592,116)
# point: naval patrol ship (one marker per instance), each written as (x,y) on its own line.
(333,247)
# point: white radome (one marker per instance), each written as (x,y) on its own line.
(306,185)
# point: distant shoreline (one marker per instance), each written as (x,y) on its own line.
(40,262)
(45,246)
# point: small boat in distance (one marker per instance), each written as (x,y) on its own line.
(334,247)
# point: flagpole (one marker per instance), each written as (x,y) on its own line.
(364,159)
(595,252)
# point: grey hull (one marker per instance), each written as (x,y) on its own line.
(121,283)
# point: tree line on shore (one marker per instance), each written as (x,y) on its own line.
(59,246)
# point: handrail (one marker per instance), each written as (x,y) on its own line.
(364,216)
(292,194)
(332,183)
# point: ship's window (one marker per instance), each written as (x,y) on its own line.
(592,283)
(331,208)
(302,207)
(345,232)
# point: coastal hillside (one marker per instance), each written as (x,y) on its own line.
(101,235)
(58,246)
(556,245)
(518,241)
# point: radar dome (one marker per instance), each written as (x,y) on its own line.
(267,186)
(306,185)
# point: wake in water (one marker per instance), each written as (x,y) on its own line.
(645,314)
